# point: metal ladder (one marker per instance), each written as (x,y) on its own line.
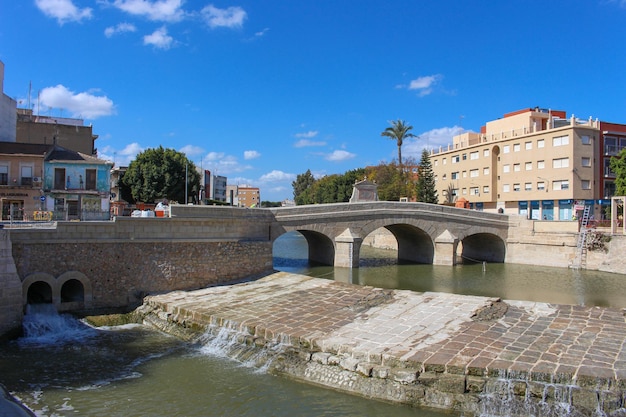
(581,247)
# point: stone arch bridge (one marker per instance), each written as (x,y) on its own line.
(107,266)
(425,233)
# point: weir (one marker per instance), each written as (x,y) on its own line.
(475,355)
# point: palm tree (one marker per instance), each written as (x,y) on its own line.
(398,131)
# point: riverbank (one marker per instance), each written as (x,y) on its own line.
(463,353)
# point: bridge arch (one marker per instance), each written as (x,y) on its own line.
(483,247)
(412,243)
(321,247)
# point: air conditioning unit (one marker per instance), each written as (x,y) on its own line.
(36,179)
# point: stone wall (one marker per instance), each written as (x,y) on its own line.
(124,260)
(10,288)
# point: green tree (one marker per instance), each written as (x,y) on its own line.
(618,166)
(393,183)
(426,189)
(398,131)
(160,173)
(302,188)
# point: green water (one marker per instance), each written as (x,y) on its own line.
(379,268)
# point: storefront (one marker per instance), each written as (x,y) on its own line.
(547,209)
(534,210)
(566,210)
(523,208)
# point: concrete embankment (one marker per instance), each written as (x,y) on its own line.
(470,354)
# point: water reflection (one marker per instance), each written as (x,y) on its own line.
(379,268)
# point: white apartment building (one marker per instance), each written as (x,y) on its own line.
(532,162)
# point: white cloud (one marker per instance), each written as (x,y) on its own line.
(423,85)
(223,164)
(251,155)
(308,135)
(231,17)
(119,28)
(302,143)
(63,10)
(264,31)
(82,105)
(159,10)
(432,139)
(122,158)
(191,150)
(159,39)
(276,175)
(339,155)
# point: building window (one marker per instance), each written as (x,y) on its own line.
(506,149)
(541,164)
(506,188)
(607,168)
(560,141)
(26,175)
(586,161)
(474,155)
(444,177)
(4,175)
(516,147)
(474,191)
(585,184)
(486,171)
(473,173)
(560,185)
(486,152)
(516,168)
(486,189)
(529,145)
(436,162)
(455,159)
(464,191)
(506,168)
(59,178)
(454,176)
(443,161)
(90,177)
(541,143)
(464,156)
(516,187)
(528,166)
(464,174)
(528,186)
(560,163)
(585,139)
(541,185)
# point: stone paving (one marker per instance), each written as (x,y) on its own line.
(432,331)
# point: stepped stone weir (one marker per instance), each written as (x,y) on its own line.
(465,353)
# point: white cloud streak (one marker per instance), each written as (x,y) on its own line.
(231,17)
(423,85)
(302,143)
(119,28)
(339,155)
(251,155)
(159,39)
(159,10)
(82,105)
(63,10)
(276,175)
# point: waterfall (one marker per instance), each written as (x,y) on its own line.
(228,342)
(42,324)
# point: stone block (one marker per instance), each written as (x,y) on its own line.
(404,376)
(451,383)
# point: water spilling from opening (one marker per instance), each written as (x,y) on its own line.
(42,324)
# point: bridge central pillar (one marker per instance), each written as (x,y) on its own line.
(445,249)
(347,248)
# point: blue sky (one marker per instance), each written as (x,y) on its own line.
(262,90)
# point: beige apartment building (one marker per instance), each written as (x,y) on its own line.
(248,196)
(533,162)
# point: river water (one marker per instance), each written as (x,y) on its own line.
(62,367)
